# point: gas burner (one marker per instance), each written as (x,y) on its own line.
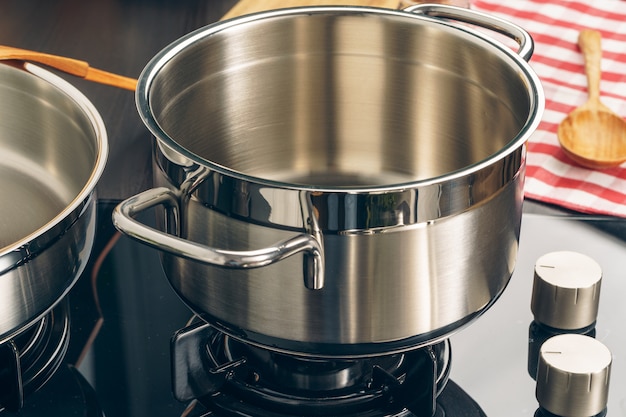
(231,378)
(30,359)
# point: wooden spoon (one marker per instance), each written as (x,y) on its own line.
(68,65)
(592,135)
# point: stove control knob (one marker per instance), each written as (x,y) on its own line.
(566,290)
(573,376)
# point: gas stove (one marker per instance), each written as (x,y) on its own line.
(226,377)
(152,356)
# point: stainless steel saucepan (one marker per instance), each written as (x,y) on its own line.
(53,149)
(339,181)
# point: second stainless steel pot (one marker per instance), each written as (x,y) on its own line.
(338,181)
(53,148)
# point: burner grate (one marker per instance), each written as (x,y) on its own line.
(235,378)
(30,359)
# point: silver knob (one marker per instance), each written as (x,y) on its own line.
(566,290)
(573,375)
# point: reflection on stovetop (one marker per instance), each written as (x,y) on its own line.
(128,364)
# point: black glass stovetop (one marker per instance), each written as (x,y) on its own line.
(124,314)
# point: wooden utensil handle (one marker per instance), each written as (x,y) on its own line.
(68,65)
(104,77)
(590,43)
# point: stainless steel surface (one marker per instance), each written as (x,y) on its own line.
(479,19)
(459,3)
(490,358)
(573,376)
(124,220)
(566,290)
(53,149)
(364,136)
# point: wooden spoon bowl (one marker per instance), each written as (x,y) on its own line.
(592,135)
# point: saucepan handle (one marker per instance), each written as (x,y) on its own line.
(484,20)
(124,220)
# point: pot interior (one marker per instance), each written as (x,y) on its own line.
(48,150)
(342,99)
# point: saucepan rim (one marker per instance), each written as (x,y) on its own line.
(152,70)
(102,146)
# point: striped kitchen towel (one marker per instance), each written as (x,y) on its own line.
(554,25)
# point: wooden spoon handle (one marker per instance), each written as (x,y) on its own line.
(68,65)
(590,43)
(108,78)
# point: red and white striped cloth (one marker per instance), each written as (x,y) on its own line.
(554,25)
